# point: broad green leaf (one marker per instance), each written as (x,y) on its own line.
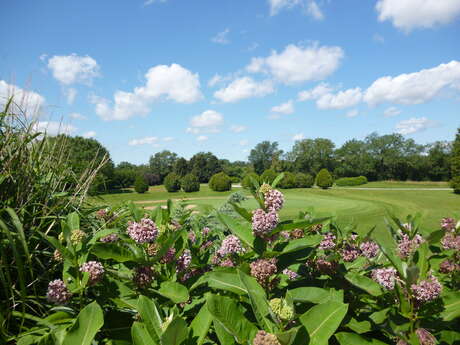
(242,211)
(174,291)
(73,221)
(364,283)
(294,336)
(306,242)
(388,246)
(149,314)
(299,225)
(241,229)
(314,295)
(379,316)
(322,320)
(356,339)
(422,256)
(224,337)
(176,332)
(450,337)
(140,335)
(359,327)
(89,321)
(277,180)
(101,234)
(200,325)
(228,281)
(451,306)
(113,251)
(226,313)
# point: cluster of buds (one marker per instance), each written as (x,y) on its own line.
(448,224)
(291,274)
(273,200)
(264,222)
(325,266)
(451,241)
(57,256)
(427,290)
(264,338)
(263,270)
(350,253)
(449,266)
(369,249)
(58,292)
(192,237)
(205,231)
(110,238)
(184,261)
(231,245)
(328,241)
(386,277)
(143,276)
(281,309)
(145,231)
(407,246)
(77,236)
(169,256)
(95,270)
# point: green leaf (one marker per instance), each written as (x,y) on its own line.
(89,321)
(364,283)
(226,313)
(306,242)
(176,332)
(379,316)
(102,233)
(314,295)
(359,327)
(241,229)
(225,281)
(200,325)
(140,335)
(174,291)
(322,320)
(224,337)
(149,314)
(73,221)
(387,245)
(298,225)
(113,251)
(242,211)
(422,256)
(355,339)
(294,336)
(451,306)
(277,180)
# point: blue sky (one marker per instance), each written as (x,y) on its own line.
(221,76)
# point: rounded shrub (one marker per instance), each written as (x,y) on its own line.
(235,179)
(304,180)
(220,182)
(324,179)
(455,184)
(351,181)
(140,184)
(190,183)
(246,182)
(172,182)
(268,176)
(288,181)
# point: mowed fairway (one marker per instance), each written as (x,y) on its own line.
(365,208)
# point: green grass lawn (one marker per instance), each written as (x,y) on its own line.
(402,184)
(365,208)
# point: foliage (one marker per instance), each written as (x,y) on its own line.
(455,164)
(309,155)
(304,180)
(263,155)
(189,183)
(235,179)
(152,179)
(268,176)
(162,163)
(324,179)
(351,181)
(203,165)
(246,183)
(172,182)
(288,181)
(181,167)
(220,182)
(140,184)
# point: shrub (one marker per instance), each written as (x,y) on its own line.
(235,179)
(172,182)
(324,179)
(152,179)
(190,183)
(288,181)
(304,180)
(140,184)
(351,181)
(246,182)
(220,182)
(455,184)
(268,176)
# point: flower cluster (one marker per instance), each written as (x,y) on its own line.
(77,236)
(264,338)
(184,261)
(263,269)
(58,292)
(425,337)
(328,241)
(291,274)
(427,290)
(57,256)
(448,224)
(205,231)
(265,188)
(231,245)
(192,237)
(350,253)
(448,266)
(143,276)
(110,238)
(451,241)
(227,263)
(369,249)
(169,256)
(274,200)
(264,222)
(407,246)
(386,277)
(95,270)
(281,309)
(144,232)
(324,266)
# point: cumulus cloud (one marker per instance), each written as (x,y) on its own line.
(89,134)
(238,128)
(340,100)
(414,88)
(174,83)
(54,128)
(143,141)
(296,64)
(221,37)
(242,88)
(28,101)
(298,136)
(77,116)
(207,122)
(70,95)
(413,125)
(72,69)
(391,111)
(352,113)
(311,7)
(314,10)
(411,14)
(285,108)
(202,138)
(315,93)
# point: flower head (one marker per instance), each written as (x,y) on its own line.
(57,256)
(450,241)
(264,338)
(328,241)
(273,200)
(281,309)
(169,256)
(145,231)
(350,253)
(77,236)
(143,276)
(109,238)
(265,188)
(291,274)
(407,246)
(231,245)
(448,224)
(369,249)
(264,222)
(227,263)
(192,237)
(58,292)
(205,231)
(263,269)
(184,261)
(448,266)
(425,337)
(95,270)
(324,266)
(427,290)
(386,277)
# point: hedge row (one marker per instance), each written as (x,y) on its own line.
(351,181)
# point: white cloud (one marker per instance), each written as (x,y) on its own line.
(172,82)
(54,128)
(296,64)
(202,138)
(352,113)
(314,10)
(207,122)
(216,79)
(89,134)
(244,142)
(411,14)
(310,6)
(221,37)
(238,128)
(414,88)
(298,136)
(28,101)
(340,100)
(391,111)
(285,108)
(315,93)
(143,141)
(70,95)
(242,88)
(413,125)
(71,69)
(77,116)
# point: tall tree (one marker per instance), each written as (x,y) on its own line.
(203,165)
(263,155)
(162,163)
(311,155)
(181,167)
(455,164)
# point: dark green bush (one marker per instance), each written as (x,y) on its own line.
(190,183)
(288,181)
(304,180)
(220,182)
(351,181)
(235,179)
(172,182)
(455,184)
(268,176)
(246,181)
(140,184)
(324,179)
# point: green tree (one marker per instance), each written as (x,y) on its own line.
(304,180)
(439,158)
(324,179)
(455,164)
(190,183)
(140,184)
(220,182)
(246,182)
(310,155)
(268,176)
(263,155)
(203,165)
(181,167)
(162,163)
(172,182)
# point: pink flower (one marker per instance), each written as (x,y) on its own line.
(350,253)
(291,274)
(264,222)
(205,231)
(369,249)
(386,277)
(324,266)
(144,232)
(263,269)
(425,337)
(227,263)
(264,338)
(407,246)
(184,261)
(192,237)
(448,266)
(143,276)
(427,290)
(328,241)
(448,224)
(58,292)
(450,241)
(206,245)
(169,256)
(231,245)
(95,270)
(109,238)
(274,200)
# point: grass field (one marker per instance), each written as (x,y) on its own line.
(365,208)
